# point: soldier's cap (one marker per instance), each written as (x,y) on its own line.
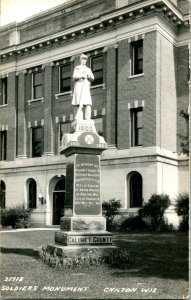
(83,56)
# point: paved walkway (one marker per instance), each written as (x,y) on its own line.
(28,229)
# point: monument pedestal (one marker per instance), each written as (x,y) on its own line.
(83,224)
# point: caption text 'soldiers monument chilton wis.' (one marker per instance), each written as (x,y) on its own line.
(83,223)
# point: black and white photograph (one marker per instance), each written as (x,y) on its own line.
(94,149)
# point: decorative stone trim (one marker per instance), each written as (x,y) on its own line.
(170,12)
(3,105)
(29,125)
(103,111)
(134,76)
(42,122)
(95,112)
(97,86)
(61,94)
(136,104)
(35,100)
(4,127)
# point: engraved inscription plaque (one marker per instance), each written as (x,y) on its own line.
(87,185)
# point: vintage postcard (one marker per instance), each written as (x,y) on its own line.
(94,149)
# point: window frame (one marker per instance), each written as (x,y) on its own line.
(135,128)
(135,60)
(3,145)
(64,78)
(98,70)
(32,141)
(4,89)
(35,86)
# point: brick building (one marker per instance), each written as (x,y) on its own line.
(139,54)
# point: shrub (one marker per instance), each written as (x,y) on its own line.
(182,209)
(154,210)
(89,258)
(133,223)
(17,217)
(110,209)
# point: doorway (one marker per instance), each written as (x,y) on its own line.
(58,201)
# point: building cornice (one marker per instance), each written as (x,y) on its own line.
(107,38)
(103,23)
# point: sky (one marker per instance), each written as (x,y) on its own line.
(18,10)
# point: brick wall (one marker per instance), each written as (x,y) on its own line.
(22,126)
(131,89)
(183,5)
(110,99)
(166,94)
(11,116)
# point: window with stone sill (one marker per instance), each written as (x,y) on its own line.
(3,99)
(3,145)
(96,65)
(137,127)
(65,78)
(37,141)
(37,85)
(137,57)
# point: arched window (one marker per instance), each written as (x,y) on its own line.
(135,190)
(32,193)
(2,193)
(58,200)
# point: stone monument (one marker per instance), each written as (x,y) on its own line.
(83,223)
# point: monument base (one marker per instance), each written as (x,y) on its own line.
(76,251)
(79,238)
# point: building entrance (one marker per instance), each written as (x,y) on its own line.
(58,201)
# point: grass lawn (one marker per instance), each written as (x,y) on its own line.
(158,269)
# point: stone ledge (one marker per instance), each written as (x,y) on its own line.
(73,251)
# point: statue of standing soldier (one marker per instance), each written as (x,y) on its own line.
(82,77)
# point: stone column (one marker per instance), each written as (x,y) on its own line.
(48,123)
(21,122)
(11,116)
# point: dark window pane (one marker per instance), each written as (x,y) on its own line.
(136,190)
(137,57)
(32,194)
(37,78)
(137,127)
(3,145)
(3,91)
(2,194)
(38,92)
(66,71)
(97,69)
(97,63)
(66,85)
(37,142)
(140,119)
(98,77)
